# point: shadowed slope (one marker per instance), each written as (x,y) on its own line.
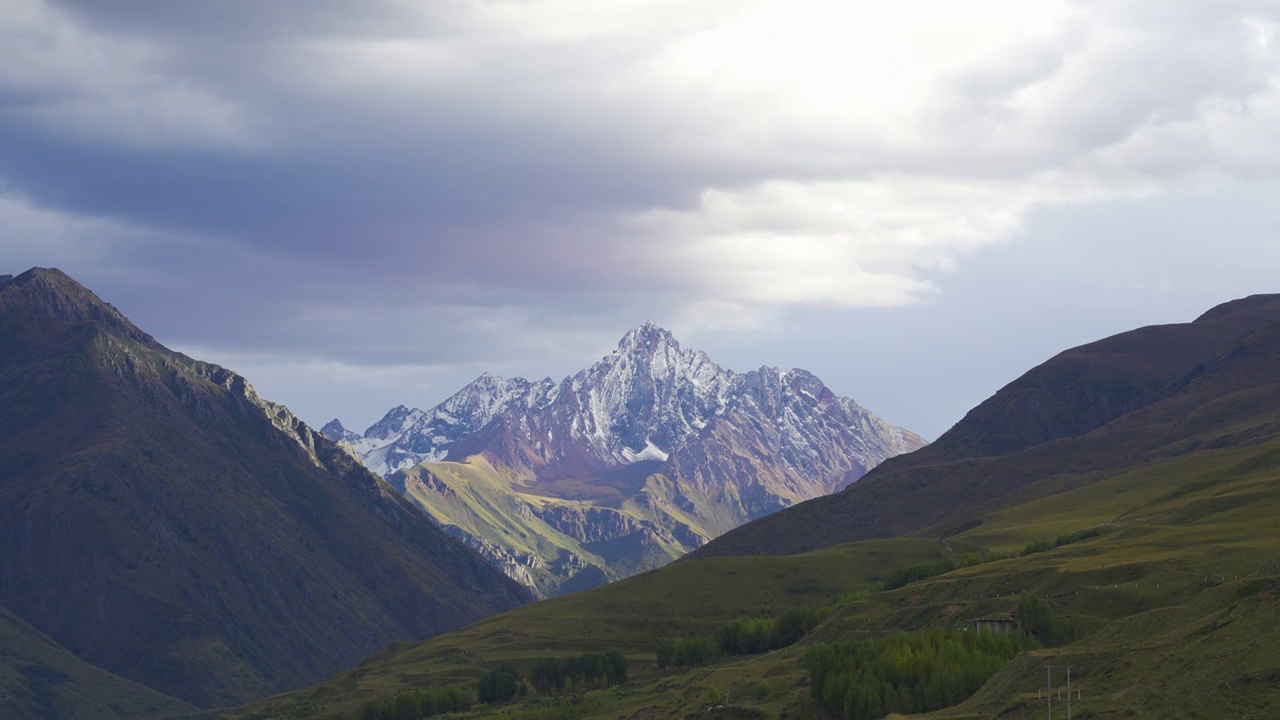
(160,520)
(40,679)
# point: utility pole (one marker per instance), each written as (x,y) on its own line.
(1046,693)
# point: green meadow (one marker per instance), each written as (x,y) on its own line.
(1169,611)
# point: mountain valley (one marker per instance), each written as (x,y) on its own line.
(624,466)
(170,541)
(1131,506)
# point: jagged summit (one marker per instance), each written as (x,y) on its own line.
(41,293)
(685,448)
(648,337)
(335,431)
(639,402)
(633,404)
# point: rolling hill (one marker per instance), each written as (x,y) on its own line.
(1138,397)
(40,679)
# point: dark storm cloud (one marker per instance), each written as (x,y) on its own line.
(398,186)
(388,184)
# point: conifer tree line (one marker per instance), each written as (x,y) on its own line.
(690,652)
(499,684)
(742,636)
(579,672)
(502,683)
(415,704)
(750,636)
(909,672)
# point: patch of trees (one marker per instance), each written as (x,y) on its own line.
(742,636)
(588,671)
(908,673)
(974,557)
(415,704)
(750,636)
(499,684)
(919,571)
(1045,544)
(1037,619)
(689,652)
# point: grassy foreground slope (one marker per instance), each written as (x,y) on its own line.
(41,679)
(1180,590)
(632,615)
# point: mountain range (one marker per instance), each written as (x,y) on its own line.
(163,522)
(625,465)
(1118,502)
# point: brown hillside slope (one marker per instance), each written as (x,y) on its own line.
(160,520)
(1135,397)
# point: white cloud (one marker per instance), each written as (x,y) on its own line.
(846,153)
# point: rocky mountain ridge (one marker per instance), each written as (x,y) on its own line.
(627,464)
(640,402)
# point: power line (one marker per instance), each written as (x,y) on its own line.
(1046,693)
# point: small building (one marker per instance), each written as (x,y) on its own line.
(1004,623)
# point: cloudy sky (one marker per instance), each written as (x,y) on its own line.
(363,204)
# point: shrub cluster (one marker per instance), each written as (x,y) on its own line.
(1076,537)
(1038,546)
(749,636)
(561,708)
(907,673)
(415,704)
(1044,544)
(591,670)
(919,571)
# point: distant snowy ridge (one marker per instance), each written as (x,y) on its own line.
(624,466)
(640,402)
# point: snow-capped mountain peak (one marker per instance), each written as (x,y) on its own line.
(719,448)
(642,401)
(337,433)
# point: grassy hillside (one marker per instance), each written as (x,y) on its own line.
(1087,414)
(1170,611)
(40,679)
(633,615)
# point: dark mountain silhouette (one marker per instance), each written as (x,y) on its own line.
(162,521)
